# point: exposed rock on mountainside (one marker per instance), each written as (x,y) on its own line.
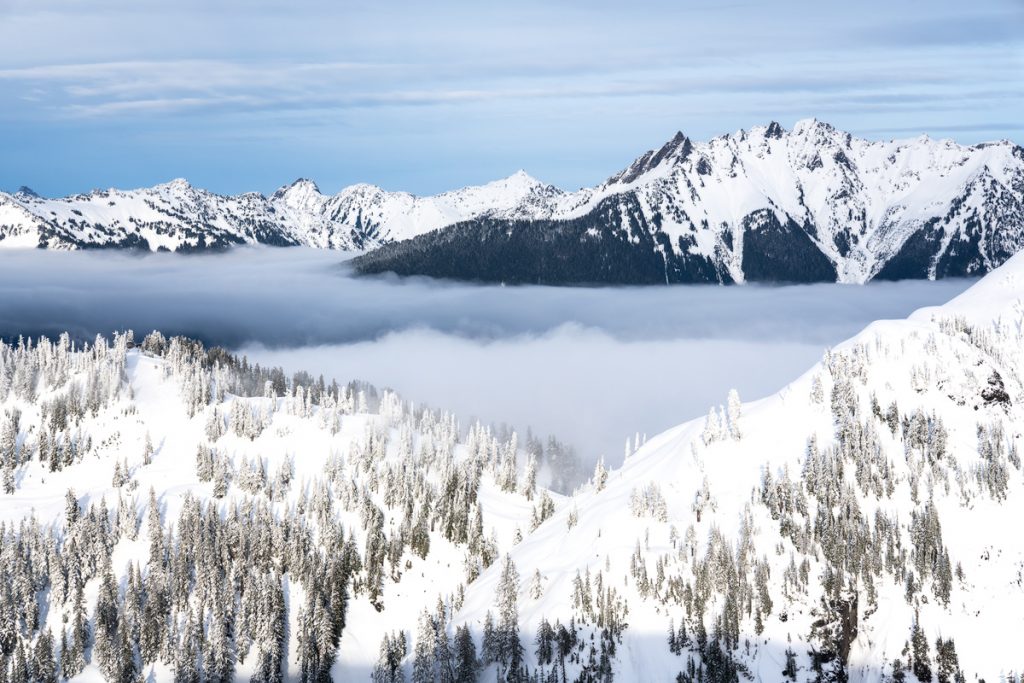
(810,204)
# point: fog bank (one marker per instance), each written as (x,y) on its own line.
(588,364)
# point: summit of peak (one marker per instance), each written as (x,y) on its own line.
(804,126)
(522,176)
(774,130)
(519,179)
(175,184)
(304,181)
(299,186)
(304,184)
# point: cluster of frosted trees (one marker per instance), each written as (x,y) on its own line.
(209,596)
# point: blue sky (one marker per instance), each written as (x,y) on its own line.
(248,95)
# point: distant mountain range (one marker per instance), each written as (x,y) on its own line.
(766,204)
(176,216)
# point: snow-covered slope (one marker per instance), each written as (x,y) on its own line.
(876,492)
(811,203)
(228,519)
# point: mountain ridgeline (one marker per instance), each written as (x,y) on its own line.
(762,205)
(766,205)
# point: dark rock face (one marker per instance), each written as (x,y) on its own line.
(679,146)
(833,634)
(995,392)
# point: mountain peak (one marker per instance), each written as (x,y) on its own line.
(521,177)
(774,130)
(520,181)
(806,126)
(175,185)
(303,186)
(678,148)
(26,192)
(304,183)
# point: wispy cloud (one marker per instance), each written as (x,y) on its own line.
(171,86)
(595,81)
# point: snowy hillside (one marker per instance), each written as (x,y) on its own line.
(172,512)
(155,520)
(809,204)
(841,528)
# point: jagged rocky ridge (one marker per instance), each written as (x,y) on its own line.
(811,204)
(171,512)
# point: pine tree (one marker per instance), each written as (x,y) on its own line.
(529,488)
(20,665)
(466,664)
(219,665)
(510,649)
(536,585)
(898,674)
(105,650)
(489,648)
(124,665)
(545,642)
(600,478)
(947,664)
(221,476)
(8,477)
(444,665)
(9,442)
(921,666)
(389,664)
(186,665)
(733,409)
(423,651)
(44,661)
(713,428)
(74,663)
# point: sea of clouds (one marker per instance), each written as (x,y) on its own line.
(590,365)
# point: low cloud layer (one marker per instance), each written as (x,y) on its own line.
(588,364)
(580,384)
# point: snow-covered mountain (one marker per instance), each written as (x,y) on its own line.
(179,217)
(170,510)
(767,204)
(810,204)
